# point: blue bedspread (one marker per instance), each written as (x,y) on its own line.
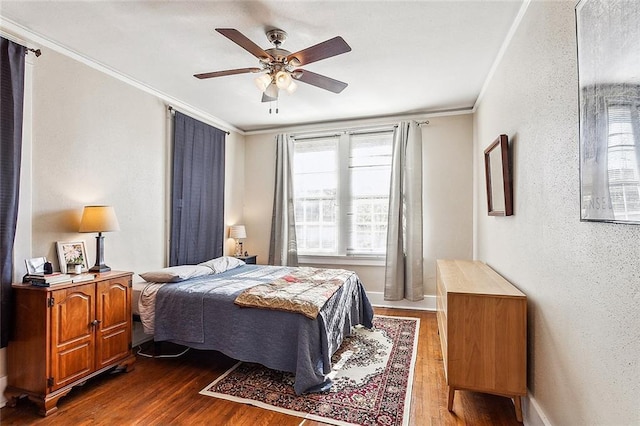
(200,313)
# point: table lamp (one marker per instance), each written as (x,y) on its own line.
(99,219)
(238,232)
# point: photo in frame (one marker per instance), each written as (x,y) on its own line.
(608,37)
(35,265)
(72,253)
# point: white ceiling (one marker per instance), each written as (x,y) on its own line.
(408,57)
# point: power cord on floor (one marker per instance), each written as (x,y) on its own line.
(160,356)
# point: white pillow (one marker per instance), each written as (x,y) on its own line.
(175,274)
(221,264)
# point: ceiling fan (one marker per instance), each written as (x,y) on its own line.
(279,67)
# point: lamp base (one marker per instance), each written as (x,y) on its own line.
(99,268)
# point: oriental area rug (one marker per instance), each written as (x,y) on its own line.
(372,378)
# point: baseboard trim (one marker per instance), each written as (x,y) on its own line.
(532,414)
(3,386)
(377,299)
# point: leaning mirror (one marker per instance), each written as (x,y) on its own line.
(609,79)
(498,177)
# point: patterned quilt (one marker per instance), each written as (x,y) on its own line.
(303,291)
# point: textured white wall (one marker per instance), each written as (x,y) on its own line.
(447,205)
(97,140)
(582,279)
(447,188)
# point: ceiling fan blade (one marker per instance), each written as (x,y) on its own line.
(326,49)
(241,40)
(321,81)
(226,72)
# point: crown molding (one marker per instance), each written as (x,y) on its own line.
(25,36)
(502,51)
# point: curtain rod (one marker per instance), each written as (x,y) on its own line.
(172,109)
(14,39)
(364,129)
(36,52)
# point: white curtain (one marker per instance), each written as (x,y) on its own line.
(403,270)
(283,248)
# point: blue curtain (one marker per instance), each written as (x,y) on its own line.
(197,194)
(11,103)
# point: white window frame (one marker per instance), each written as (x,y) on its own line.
(343,199)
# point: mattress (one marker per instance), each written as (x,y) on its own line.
(137,289)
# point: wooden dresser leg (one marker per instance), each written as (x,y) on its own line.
(126,365)
(49,404)
(518,403)
(12,396)
(450,398)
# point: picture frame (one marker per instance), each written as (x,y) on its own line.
(497,169)
(72,253)
(35,265)
(609,102)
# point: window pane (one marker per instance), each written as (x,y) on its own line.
(315,178)
(313,236)
(370,178)
(328,211)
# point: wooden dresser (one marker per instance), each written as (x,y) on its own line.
(482,322)
(65,334)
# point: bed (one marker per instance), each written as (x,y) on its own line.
(200,312)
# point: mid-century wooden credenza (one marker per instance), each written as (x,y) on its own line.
(482,322)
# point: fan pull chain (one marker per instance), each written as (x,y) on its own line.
(271,106)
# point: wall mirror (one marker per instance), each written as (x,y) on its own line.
(609,78)
(498,177)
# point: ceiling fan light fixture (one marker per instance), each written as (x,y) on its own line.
(294,62)
(292,87)
(272,91)
(283,79)
(263,81)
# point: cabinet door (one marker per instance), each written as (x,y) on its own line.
(72,335)
(113,337)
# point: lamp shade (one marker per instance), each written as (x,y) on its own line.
(237,232)
(283,79)
(292,87)
(263,82)
(99,219)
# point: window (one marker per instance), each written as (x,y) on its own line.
(341,192)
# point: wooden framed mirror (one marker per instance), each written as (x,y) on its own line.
(498,177)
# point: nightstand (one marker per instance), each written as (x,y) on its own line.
(249,260)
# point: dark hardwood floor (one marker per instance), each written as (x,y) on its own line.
(164,391)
